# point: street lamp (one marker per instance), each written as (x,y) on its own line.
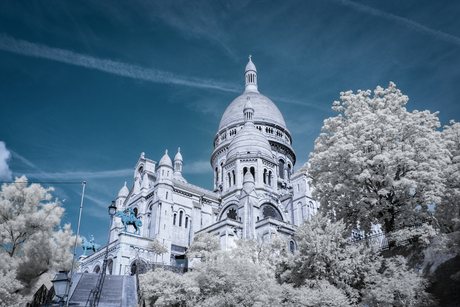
(61,286)
(112,209)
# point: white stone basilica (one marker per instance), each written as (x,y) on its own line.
(256,192)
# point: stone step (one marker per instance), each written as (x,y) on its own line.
(117,290)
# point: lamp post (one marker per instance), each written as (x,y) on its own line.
(95,294)
(61,286)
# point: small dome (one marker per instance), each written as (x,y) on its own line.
(123,191)
(166,160)
(249,140)
(178,156)
(250,65)
(248,177)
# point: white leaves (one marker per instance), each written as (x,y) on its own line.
(30,232)
(378,151)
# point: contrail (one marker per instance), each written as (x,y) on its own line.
(404,21)
(22,47)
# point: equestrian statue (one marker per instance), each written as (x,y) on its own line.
(130,220)
(89,245)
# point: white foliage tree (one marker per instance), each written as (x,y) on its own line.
(32,241)
(378,163)
(448,211)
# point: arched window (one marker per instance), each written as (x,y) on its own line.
(180,218)
(269,210)
(265,176)
(186,222)
(174,219)
(245,170)
(234,179)
(229,180)
(253,172)
(135,212)
(97,269)
(230,213)
(289,171)
(270,178)
(110,266)
(281,168)
(222,171)
(291,246)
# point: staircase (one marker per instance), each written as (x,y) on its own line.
(117,291)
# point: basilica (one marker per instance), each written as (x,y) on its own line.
(256,191)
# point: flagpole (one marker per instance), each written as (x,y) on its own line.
(76,241)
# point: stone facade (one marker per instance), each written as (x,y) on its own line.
(256,193)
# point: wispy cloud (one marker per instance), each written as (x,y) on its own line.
(23,160)
(23,47)
(82,175)
(197,167)
(103,203)
(318,106)
(403,21)
(5,172)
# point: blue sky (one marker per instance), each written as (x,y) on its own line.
(86,86)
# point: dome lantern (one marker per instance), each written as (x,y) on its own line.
(250,75)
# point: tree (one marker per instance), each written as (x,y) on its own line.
(33,242)
(204,246)
(157,248)
(165,288)
(325,259)
(378,163)
(449,209)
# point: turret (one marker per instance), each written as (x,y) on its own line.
(165,169)
(178,166)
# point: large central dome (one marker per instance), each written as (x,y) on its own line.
(264,111)
(267,138)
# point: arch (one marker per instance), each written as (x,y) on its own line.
(135,212)
(174,218)
(292,246)
(245,170)
(141,170)
(97,269)
(139,267)
(289,171)
(281,168)
(270,178)
(229,180)
(234,178)
(110,266)
(217,177)
(186,221)
(253,172)
(268,210)
(222,171)
(231,212)
(265,176)
(181,215)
